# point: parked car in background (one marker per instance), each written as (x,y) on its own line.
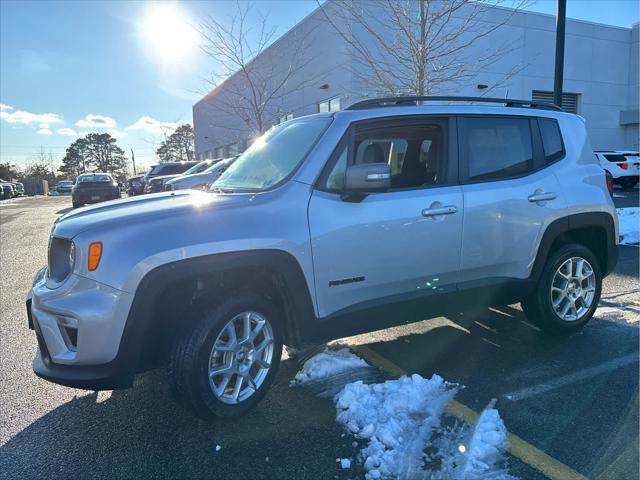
(93,188)
(329,225)
(165,169)
(623,165)
(64,187)
(157,184)
(135,185)
(19,188)
(8,190)
(200,181)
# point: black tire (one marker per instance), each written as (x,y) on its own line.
(190,356)
(538,307)
(76,204)
(628,182)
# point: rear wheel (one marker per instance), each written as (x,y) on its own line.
(568,291)
(224,365)
(76,204)
(628,182)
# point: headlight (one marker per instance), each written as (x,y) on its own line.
(62,257)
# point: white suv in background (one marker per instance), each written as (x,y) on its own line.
(624,166)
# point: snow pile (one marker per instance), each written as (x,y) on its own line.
(398,418)
(327,364)
(401,423)
(629,219)
(467,453)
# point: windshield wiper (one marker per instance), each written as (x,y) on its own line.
(221,190)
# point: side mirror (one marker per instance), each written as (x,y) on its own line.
(367,177)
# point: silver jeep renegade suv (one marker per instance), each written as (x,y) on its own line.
(390,211)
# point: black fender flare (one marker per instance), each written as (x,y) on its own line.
(290,282)
(574,222)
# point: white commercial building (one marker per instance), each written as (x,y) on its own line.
(600,77)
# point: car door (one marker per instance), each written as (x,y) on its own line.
(402,242)
(510,195)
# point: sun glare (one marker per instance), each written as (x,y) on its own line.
(168,33)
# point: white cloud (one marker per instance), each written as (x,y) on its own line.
(70,132)
(4,107)
(45,131)
(116,133)
(27,118)
(96,121)
(153,126)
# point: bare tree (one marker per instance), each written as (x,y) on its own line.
(253,87)
(418,47)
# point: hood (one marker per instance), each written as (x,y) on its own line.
(120,212)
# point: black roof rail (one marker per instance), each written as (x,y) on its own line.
(414,99)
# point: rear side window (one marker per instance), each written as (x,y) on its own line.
(497,147)
(551,140)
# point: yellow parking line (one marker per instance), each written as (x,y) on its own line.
(532,456)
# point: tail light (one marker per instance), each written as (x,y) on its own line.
(624,165)
(609,178)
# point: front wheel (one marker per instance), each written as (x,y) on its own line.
(226,362)
(568,291)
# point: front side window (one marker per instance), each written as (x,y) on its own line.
(415,153)
(551,139)
(497,147)
(273,156)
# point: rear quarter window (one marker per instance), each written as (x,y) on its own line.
(551,139)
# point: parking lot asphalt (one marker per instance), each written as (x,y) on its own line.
(574,398)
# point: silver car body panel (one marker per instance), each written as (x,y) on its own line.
(495,232)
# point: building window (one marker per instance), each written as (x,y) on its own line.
(569,100)
(331,105)
(284,117)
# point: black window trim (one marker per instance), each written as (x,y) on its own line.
(536,143)
(448,122)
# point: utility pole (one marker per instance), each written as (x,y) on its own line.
(561,20)
(133,160)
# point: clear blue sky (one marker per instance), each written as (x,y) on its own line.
(69,68)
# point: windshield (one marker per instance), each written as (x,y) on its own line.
(198,167)
(218,166)
(94,178)
(274,155)
(65,183)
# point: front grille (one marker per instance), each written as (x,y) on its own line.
(60,262)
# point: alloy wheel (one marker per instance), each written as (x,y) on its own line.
(241,357)
(573,289)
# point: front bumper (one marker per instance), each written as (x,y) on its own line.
(91,359)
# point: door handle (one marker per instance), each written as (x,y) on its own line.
(542,197)
(434,212)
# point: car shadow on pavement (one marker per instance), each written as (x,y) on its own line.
(576,404)
(143,432)
(64,210)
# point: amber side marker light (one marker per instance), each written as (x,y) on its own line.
(95,253)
